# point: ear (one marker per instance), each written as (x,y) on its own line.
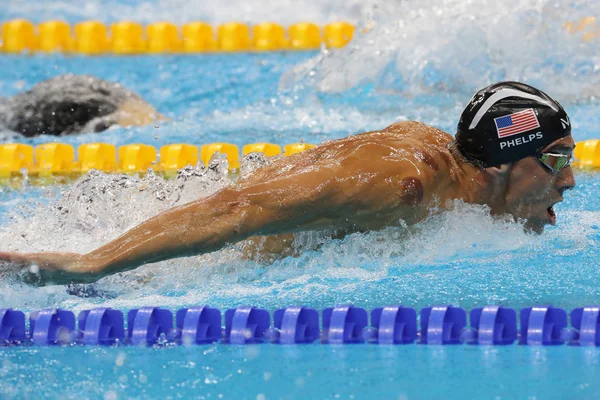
(500,172)
(499,177)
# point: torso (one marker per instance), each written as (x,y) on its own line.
(382,178)
(390,177)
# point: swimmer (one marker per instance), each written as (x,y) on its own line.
(512,153)
(69,104)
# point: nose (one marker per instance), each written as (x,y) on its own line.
(565,180)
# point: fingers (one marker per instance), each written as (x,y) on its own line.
(43,260)
(54,268)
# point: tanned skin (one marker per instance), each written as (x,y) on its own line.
(363,182)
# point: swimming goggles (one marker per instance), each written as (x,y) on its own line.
(555,162)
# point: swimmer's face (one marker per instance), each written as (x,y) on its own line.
(533,188)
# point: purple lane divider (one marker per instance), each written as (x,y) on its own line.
(101,326)
(52,326)
(344,324)
(394,325)
(199,325)
(586,320)
(494,325)
(145,325)
(12,325)
(442,324)
(296,325)
(542,325)
(245,325)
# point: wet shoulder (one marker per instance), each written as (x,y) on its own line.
(426,144)
(420,132)
(394,147)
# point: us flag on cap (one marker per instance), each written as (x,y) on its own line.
(516,123)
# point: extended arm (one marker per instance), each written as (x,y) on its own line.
(339,185)
(202,226)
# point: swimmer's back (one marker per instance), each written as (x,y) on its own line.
(394,174)
(411,140)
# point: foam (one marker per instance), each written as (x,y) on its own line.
(459,46)
(181,11)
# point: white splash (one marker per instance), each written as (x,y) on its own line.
(181,11)
(99,206)
(430,46)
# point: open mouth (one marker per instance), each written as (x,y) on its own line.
(552,215)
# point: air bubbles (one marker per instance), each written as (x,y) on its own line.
(120,360)
(110,395)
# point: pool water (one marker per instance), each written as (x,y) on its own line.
(418,67)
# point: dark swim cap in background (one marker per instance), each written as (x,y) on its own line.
(508,121)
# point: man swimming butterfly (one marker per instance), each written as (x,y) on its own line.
(512,153)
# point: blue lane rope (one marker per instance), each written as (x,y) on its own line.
(395,324)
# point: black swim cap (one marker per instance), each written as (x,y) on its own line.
(508,121)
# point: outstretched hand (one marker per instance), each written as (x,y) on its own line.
(44,268)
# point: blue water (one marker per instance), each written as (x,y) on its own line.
(464,257)
(313,371)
